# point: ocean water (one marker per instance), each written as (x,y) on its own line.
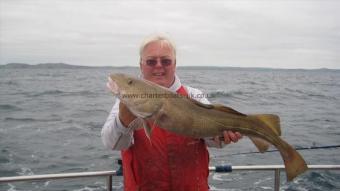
(51,118)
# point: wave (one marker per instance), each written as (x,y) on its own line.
(314,181)
(10,82)
(8,107)
(321,96)
(3,157)
(224,94)
(94,125)
(60,93)
(20,119)
(307,94)
(29,119)
(49,92)
(25,171)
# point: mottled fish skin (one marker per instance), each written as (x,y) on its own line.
(185,116)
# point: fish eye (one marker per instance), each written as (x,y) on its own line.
(130,81)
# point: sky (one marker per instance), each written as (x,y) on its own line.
(256,33)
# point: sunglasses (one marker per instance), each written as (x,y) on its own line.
(153,62)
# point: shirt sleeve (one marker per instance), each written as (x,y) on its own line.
(114,135)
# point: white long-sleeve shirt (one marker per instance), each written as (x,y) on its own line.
(117,137)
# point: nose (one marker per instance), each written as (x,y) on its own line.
(158,63)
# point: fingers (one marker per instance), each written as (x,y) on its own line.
(125,116)
(227,138)
(238,135)
(230,136)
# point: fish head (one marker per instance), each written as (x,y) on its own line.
(122,84)
(132,92)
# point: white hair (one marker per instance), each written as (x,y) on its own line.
(154,38)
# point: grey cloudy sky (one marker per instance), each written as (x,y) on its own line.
(256,33)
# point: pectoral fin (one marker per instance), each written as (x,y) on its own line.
(147,129)
(261,144)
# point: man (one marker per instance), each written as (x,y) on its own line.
(168,161)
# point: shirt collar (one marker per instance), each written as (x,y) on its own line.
(176,85)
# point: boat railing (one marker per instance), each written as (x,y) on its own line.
(109,174)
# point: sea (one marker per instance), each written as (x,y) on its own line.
(51,119)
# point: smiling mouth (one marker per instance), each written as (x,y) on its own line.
(159,74)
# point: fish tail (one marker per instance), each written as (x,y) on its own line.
(294,163)
(272,121)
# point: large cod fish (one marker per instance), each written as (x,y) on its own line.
(185,116)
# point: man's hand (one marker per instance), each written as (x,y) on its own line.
(125,115)
(228,137)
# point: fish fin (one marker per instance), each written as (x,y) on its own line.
(218,107)
(207,106)
(261,144)
(294,163)
(223,108)
(272,121)
(147,129)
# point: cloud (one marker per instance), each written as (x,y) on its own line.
(294,34)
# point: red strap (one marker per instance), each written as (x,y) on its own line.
(182,91)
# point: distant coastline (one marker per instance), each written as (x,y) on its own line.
(70,66)
(53,66)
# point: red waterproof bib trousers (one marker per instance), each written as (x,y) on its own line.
(166,162)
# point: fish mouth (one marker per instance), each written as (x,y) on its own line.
(112,85)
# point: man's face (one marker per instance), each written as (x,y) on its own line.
(158,63)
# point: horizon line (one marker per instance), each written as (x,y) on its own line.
(127,66)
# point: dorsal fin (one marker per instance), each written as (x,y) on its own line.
(207,106)
(223,108)
(218,107)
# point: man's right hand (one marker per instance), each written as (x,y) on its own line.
(125,115)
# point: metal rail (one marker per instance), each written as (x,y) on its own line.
(217,169)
